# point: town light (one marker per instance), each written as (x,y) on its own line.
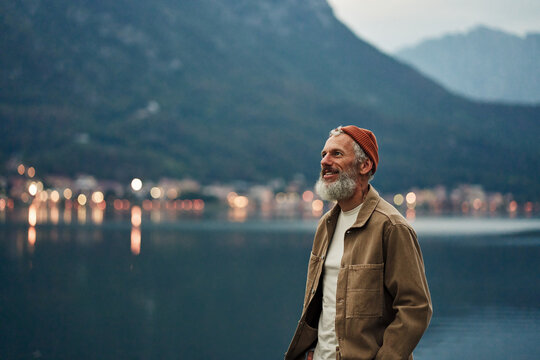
(55,196)
(411,198)
(32,189)
(97,197)
(81,199)
(398,199)
(68,194)
(241,202)
(317,205)
(307,196)
(136,184)
(155,192)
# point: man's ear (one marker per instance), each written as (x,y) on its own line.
(365,167)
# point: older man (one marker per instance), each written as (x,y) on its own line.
(366,293)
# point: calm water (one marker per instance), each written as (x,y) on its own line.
(234,291)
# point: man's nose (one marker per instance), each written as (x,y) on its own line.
(326,161)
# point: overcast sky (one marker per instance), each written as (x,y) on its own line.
(391,24)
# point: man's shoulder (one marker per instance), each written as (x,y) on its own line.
(388,213)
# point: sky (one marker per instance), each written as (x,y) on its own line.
(393,24)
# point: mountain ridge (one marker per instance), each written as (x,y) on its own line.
(207,89)
(483,63)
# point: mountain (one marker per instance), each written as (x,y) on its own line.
(235,89)
(484,64)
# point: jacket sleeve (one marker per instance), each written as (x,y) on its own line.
(405,280)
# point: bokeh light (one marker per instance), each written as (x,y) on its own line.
(198,205)
(411,198)
(172,193)
(55,196)
(68,194)
(477,204)
(317,205)
(241,202)
(43,196)
(81,199)
(32,189)
(307,196)
(155,192)
(98,197)
(136,184)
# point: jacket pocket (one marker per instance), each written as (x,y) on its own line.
(313,267)
(364,296)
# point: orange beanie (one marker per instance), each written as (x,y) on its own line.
(367,141)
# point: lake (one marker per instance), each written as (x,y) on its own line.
(208,289)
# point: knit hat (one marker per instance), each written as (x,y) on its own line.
(367,141)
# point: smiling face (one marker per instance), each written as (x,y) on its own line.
(337,156)
(339,169)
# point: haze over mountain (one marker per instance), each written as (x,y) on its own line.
(484,64)
(237,89)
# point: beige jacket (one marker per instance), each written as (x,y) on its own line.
(383,305)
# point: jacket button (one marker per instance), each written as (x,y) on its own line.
(313,292)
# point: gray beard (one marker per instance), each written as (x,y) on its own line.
(343,188)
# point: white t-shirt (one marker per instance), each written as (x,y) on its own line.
(327,340)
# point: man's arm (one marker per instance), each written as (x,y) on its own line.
(405,280)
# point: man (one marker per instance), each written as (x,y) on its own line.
(366,293)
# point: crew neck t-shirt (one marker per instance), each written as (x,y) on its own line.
(327,340)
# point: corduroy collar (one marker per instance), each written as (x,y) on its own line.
(368,206)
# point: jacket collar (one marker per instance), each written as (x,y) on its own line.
(368,206)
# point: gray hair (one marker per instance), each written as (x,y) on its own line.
(360,155)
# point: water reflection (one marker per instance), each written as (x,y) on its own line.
(136,220)
(31,237)
(67,215)
(135,240)
(136,216)
(81,214)
(155,216)
(42,214)
(482,333)
(32,215)
(55,215)
(91,288)
(97,215)
(237,214)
